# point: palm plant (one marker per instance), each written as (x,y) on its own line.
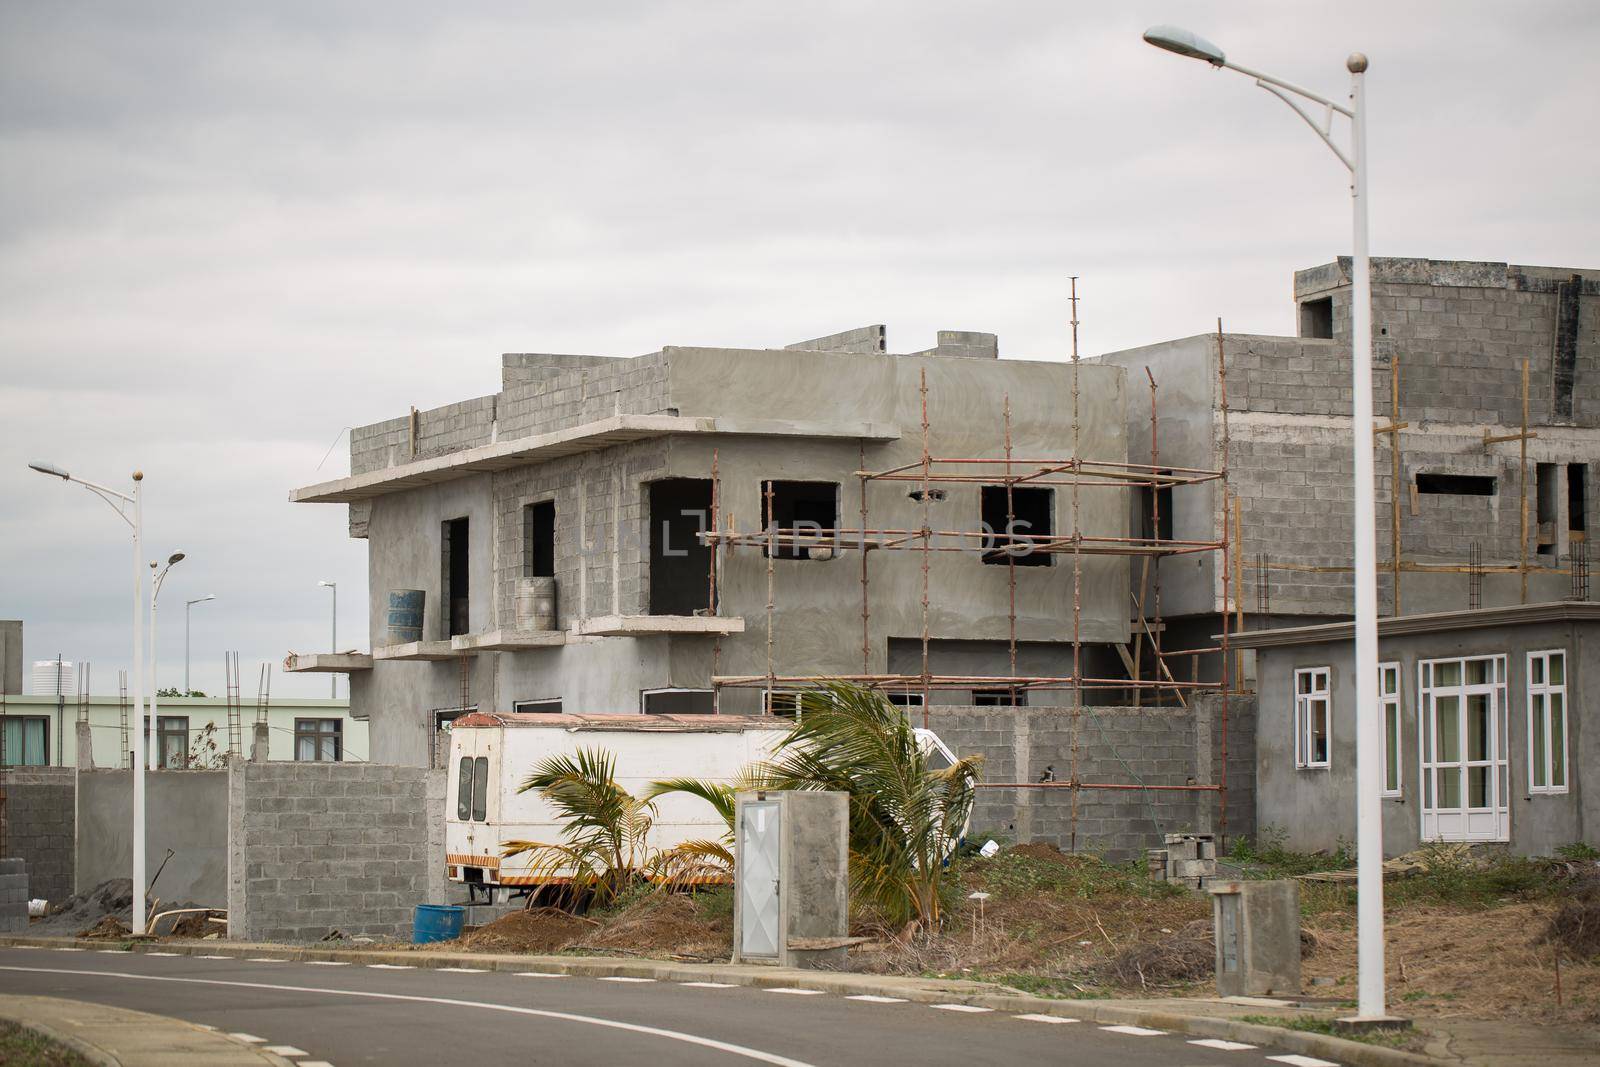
(704,859)
(905,817)
(605,844)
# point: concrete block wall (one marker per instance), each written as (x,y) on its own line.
(315,847)
(584,394)
(1135,746)
(38,815)
(603,492)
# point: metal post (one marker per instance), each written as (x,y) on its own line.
(333,679)
(152,746)
(138,917)
(187,607)
(1369,737)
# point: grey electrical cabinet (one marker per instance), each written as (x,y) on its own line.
(1257,930)
(791,903)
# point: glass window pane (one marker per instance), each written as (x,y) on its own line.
(1558,740)
(1478,726)
(1447,712)
(1477,787)
(303,748)
(480,789)
(1447,673)
(464,789)
(1538,757)
(1449,787)
(1477,671)
(1427,789)
(1558,668)
(1391,748)
(1319,731)
(1536,670)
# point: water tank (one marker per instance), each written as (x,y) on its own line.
(53,677)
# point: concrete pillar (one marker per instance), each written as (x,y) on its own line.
(238,899)
(85,746)
(258,747)
(1022,755)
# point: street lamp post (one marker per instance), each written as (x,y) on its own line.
(155,591)
(187,604)
(333,680)
(131,510)
(1369,739)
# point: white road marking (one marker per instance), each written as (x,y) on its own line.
(253,959)
(105,951)
(610,1024)
(541,974)
(249,1039)
(796,992)
(68,950)
(624,978)
(286,1051)
(1133,1031)
(1047,1018)
(708,985)
(1219,1043)
(390,967)
(160,953)
(207,957)
(463,970)
(1302,1061)
(873,998)
(960,1007)
(315,1063)
(327,963)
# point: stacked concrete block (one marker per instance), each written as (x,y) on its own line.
(38,816)
(316,847)
(1190,859)
(13,896)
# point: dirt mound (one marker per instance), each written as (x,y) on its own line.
(1575,927)
(677,924)
(1044,851)
(109,928)
(111,897)
(197,925)
(1185,956)
(538,930)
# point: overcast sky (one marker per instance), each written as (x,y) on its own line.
(228,231)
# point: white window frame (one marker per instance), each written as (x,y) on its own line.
(1303,710)
(1546,690)
(1389,704)
(1464,822)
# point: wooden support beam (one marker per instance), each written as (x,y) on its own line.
(1393,427)
(1499,438)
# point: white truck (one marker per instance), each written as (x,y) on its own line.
(491,754)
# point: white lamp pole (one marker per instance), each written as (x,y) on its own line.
(155,591)
(124,504)
(333,680)
(1369,737)
(187,604)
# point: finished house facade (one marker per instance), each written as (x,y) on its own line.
(1485,732)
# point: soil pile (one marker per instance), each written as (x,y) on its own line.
(675,924)
(113,898)
(540,930)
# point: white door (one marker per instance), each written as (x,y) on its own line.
(1462,725)
(760,844)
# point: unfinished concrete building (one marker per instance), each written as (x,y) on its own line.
(689,531)
(1486,384)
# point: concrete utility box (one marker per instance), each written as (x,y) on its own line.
(791,878)
(1191,859)
(1257,930)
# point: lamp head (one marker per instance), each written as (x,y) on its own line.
(174,558)
(50,469)
(1184,43)
(330,585)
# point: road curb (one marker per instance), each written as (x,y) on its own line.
(919,990)
(119,1037)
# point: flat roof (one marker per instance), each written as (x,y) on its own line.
(576,721)
(1429,623)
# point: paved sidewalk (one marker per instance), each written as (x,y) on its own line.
(116,1037)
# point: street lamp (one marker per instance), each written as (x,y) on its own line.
(187,604)
(155,591)
(123,504)
(333,680)
(1369,740)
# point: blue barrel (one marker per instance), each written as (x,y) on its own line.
(405,615)
(436,922)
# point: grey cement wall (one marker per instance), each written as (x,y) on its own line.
(36,824)
(314,847)
(1133,746)
(10,655)
(186,811)
(1316,807)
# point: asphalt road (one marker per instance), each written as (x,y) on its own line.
(351,1014)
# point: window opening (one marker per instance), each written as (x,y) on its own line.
(1316,318)
(1462,749)
(27,741)
(1547,722)
(680,566)
(1311,708)
(464,790)
(678,702)
(319,740)
(480,789)
(1456,484)
(1577,501)
(1032,511)
(806,509)
(999,698)
(1389,697)
(455,571)
(172,741)
(1149,497)
(547,706)
(539,540)
(1544,494)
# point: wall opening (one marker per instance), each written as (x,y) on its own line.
(999,698)
(1316,318)
(1032,511)
(678,702)
(1544,534)
(1578,501)
(547,706)
(1149,497)
(454,567)
(539,540)
(680,566)
(802,507)
(1456,484)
